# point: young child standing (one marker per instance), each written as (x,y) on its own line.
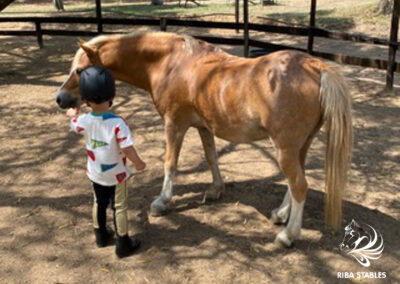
(108,144)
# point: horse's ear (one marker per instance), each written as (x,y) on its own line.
(80,42)
(92,52)
(355,224)
(89,49)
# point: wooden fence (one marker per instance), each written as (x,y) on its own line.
(163,23)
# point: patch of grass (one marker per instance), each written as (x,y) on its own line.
(168,9)
(364,13)
(324,18)
(340,18)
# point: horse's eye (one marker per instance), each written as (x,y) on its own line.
(78,71)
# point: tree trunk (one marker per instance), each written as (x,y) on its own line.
(5,3)
(384,7)
(157,2)
(59,5)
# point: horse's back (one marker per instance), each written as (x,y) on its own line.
(249,99)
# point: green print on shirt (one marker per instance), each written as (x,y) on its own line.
(95,144)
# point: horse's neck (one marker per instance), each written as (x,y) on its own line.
(138,62)
(145,62)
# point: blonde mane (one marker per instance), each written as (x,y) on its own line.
(191,44)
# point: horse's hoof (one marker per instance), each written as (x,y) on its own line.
(282,240)
(158,208)
(211,195)
(276,219)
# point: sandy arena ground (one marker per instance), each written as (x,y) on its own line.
(45,197)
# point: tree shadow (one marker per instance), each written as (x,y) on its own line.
(24,60)
(181,236)
(263,196)
(322,19)
(207,239)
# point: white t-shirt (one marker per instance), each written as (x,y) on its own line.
(105,135)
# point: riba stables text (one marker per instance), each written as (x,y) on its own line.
(359,275)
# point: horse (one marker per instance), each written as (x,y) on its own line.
(285,96)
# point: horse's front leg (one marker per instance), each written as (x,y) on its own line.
(174,138)
(281,214)
(207,139)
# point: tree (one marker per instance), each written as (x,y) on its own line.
(384,7)
(59,5)
(157,2)
(5,3)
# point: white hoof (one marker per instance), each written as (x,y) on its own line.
(158,208)
(282,239)
(277,218)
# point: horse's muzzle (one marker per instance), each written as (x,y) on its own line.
(65,100)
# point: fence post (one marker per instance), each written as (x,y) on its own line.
(39,34)
(163,24)
(392,48)
(311,26)
(246,27)
(98,16)
(237,14)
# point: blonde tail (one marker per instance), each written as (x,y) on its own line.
(336,108)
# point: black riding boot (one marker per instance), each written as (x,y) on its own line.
(103,237)
(125,246)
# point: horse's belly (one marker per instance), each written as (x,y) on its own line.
(238,128)
(240,134)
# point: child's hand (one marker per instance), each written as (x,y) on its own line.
(132,155)
(140,166)
(72,112)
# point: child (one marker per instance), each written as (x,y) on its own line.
(108,144)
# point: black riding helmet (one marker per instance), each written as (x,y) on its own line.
(96,85)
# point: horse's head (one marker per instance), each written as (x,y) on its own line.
(133,58)
(351,235)
(68,95)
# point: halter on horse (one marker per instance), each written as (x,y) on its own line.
(286,96)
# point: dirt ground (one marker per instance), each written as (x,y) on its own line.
(45,197)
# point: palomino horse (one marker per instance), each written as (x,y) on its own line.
(286,96)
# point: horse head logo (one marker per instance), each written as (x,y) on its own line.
(362,243)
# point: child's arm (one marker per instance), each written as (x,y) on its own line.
(125,142)
(77,124)
(132,155)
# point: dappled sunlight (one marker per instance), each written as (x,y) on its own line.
(45,197)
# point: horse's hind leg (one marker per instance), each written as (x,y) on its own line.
(174,138)
(289,161)
(207,139)
(281,214)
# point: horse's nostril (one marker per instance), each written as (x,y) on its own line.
(58,100)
